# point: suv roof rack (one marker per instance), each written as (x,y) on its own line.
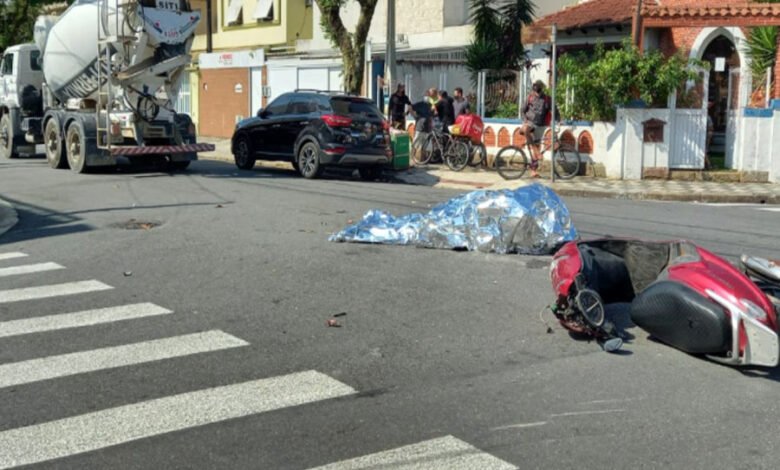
(324,92)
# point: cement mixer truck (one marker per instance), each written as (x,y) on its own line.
(99,83)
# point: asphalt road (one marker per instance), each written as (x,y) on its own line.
(223,359)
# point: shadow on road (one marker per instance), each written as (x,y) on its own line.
(40,222)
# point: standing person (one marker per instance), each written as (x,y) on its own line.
(445,111)
(399,107)
(432,97)
(535,113)
(423,113)
(459,103)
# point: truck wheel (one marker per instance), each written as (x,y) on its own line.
(245,158)
(76,145)
(7,149)
(55,151)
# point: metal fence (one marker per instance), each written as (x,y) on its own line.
(500,93)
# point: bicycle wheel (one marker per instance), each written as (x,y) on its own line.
(422,150)
(457,157)
(566,162)
(511,163)
(478,154)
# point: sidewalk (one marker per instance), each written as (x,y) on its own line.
(439,176)
(8,217)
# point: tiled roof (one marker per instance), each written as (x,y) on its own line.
(717,8)
(591,13)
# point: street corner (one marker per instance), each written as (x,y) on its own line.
(8,216)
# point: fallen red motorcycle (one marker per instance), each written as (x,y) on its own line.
(678,292)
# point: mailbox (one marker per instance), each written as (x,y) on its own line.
(653,130)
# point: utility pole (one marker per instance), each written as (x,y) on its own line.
(208,26)
(390,49)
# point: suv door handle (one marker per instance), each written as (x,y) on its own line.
(276,125)
(304,123)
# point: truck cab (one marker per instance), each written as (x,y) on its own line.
(21,82)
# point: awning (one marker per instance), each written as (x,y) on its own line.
(234,11)
(264,10)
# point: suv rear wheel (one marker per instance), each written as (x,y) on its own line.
(309,160)
(245,158)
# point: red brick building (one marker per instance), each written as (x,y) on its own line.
(711,30)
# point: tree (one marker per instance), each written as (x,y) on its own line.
(352,45)
(497,27)
(17,18)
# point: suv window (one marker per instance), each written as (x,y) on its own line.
(34,57)
(278,106)
(355,107)
(322,103)
(302,104)
(8,65)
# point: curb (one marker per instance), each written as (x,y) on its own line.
(8,217)
(444,183)
(690,197)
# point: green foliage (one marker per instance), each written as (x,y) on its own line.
(17,18)
(762,49)
(596,86)
(507,110)
(496,43)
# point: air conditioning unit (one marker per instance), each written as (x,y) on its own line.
(402,39)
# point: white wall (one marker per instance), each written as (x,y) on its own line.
(757,147)
(423,21)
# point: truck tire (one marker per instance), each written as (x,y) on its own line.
(55,150)
(7,147)
(76,147)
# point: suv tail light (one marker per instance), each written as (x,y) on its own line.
(333,120)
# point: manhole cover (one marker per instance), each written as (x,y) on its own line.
(134,224)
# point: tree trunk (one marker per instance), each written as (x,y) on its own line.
(351,46)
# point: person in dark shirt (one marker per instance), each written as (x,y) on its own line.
(399,106)
(535,114)
(445,111)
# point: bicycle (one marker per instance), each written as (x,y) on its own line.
(454,152)
(512,162)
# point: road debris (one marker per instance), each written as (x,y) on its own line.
(127,273)
(333,323)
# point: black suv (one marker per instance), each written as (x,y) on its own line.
(313,130)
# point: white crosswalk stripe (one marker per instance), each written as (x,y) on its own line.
(445,453)
(55,290)
(80,319)
(69,436)
(114,426)
(13,255)
(29,269)
(35,370)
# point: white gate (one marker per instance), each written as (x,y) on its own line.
(688,127)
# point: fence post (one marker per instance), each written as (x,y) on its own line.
(768,94)
(482,85)
(553,85)
(520,90)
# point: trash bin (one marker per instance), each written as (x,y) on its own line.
(400,143)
